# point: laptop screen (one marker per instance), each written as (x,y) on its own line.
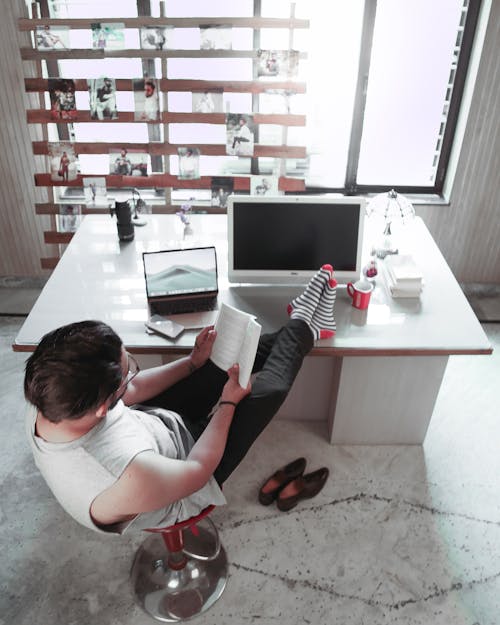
(180,272)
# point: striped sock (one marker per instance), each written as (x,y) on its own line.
(323,321)
(304,306)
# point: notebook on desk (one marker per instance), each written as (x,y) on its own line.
(180,282)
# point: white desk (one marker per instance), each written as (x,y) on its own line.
(375,382)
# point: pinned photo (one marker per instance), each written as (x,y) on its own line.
(280,64)
(108,35)
(264,185)
(222,187)
(102,98)
(156,37)
(216,37)
(276,101)
(69,218)
(94,189)
(189,163)
(207,102)
(52,37)
(63,162)
(239,134)
(62,98)
(128,162)
(146,99)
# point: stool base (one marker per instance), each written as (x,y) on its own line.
(170,595)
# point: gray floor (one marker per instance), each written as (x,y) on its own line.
(403,535)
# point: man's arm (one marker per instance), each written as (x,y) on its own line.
(152,481)
(151,382)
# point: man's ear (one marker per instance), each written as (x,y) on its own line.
(102,410)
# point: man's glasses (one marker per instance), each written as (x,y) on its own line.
(133,370)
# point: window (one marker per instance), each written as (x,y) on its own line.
(384,80)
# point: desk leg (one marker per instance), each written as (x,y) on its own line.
(384,400)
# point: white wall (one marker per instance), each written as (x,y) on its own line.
(467,231)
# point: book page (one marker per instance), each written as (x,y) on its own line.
(231,327)
(248,351)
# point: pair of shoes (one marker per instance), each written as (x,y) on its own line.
(272,487)
(303,487)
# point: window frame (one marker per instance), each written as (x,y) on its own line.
(351,186)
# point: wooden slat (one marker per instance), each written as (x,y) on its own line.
(160,149)
(166,85)
(46,263)
(52,237)
(37,116)
(241,183)
(25,24)
(31,54)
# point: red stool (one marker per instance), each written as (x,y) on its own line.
(185,579)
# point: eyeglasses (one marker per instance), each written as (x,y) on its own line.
(133,370)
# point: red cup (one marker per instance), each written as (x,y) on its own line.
(360,293)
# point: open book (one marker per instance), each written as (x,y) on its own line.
(237,339)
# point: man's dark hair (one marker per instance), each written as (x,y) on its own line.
(73,370)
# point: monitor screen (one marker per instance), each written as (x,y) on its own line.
(286,239)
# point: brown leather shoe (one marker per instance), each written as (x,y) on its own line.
(278,480)
(304,487)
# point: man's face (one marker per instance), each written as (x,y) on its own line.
(148,91)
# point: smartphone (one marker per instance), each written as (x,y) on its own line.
(165,327)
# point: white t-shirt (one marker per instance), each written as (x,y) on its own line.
(78,471)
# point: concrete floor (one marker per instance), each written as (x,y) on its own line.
(400,535)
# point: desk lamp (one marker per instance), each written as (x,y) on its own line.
(392,207)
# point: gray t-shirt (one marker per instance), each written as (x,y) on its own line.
(78,471)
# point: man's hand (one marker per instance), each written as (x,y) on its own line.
(203,347)
(232,390)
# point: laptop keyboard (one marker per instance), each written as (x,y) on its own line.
(177,308)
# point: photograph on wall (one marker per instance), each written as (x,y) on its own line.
(239,134)
(276,101)
(102,98)
(62,98)
(278,64)
(146,99)
(94,190)
(207,102)
(189,163)
(63,162)
(156,37)
(215,37)
(264,185)
(69,218)
(52,37)
(221,187)
(126,162)
(108,35)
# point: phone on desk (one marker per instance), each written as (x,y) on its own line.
(165,327)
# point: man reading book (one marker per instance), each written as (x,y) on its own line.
(121,447)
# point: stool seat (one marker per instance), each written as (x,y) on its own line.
(181,570)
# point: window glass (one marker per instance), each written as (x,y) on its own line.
(412,55)
(331,86)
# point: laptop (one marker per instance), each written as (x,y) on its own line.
(181,282)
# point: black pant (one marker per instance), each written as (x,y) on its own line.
(279,358)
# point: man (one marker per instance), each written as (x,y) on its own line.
(104,104)
(243,139)
(150,111)
(110,465)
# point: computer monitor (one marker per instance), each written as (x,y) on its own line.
(285,239)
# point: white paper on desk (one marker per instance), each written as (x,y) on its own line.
(237,339)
